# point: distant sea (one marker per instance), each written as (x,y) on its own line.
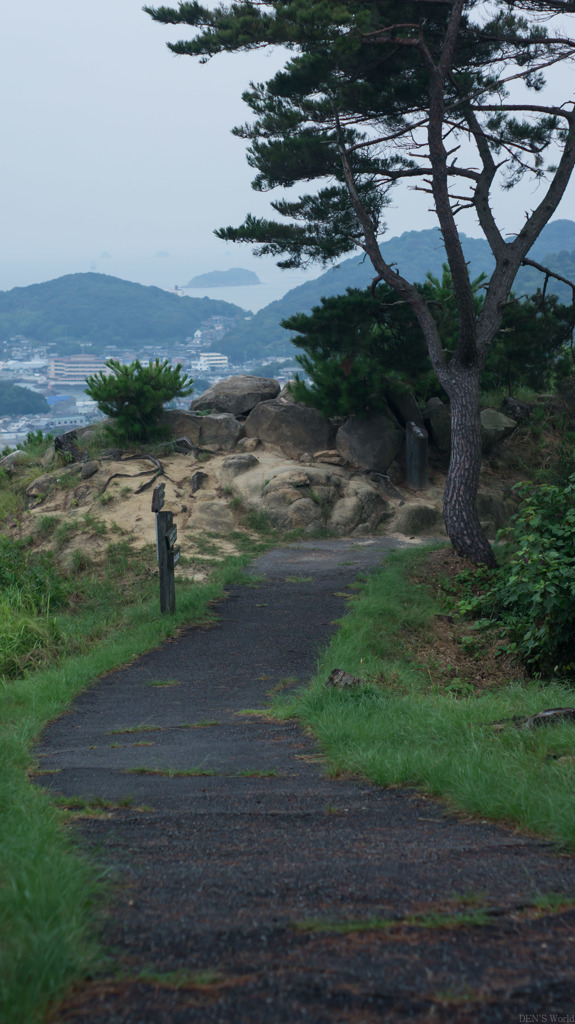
(252,297)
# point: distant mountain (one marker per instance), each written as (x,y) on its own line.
(103,310)
(415,253)
(236,277)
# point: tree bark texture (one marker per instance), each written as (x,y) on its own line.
(459,500)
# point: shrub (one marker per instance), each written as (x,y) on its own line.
(134,395)
(533,594)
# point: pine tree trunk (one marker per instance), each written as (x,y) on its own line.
(460,498)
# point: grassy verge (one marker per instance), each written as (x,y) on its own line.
(401,729)
(47,889)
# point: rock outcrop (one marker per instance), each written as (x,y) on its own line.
(215,432)
(295,429)
(495,426)
(237,395)
(370,444)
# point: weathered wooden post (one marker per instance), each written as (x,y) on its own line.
(416,456)
(168,553)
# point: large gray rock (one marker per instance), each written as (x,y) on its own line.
(370,444)
(215,432)
(494,427)
(360,511)
(234,465)
(237,395)
(418,520)
(293,428)
(437,420)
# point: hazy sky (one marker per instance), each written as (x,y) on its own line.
(117,156)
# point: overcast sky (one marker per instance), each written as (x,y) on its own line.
(117,155)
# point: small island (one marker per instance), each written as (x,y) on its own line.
(236,277)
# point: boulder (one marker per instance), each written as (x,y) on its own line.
(248,444)
(370,444)
(212,515)
(285,394)
(416,520)
(234,465)
(293,428)
(494,427)
(403,404)
(437,420)
(362,509)
(215,432)
(89,469)
(237,395)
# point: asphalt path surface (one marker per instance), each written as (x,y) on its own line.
(248,887)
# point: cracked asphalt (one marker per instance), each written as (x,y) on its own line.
(247,886)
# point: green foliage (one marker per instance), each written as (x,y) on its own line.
(135,395)
(533,347)
(36,443)
(354,342)
(16,400)
(532,595)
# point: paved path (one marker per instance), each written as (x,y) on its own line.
(215,880)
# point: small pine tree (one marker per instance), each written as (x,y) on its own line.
(134,395)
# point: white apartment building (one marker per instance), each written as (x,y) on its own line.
(210,362)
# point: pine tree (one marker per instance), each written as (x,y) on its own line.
(446,95)
(134,395)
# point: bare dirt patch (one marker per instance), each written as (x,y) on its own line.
(462,661)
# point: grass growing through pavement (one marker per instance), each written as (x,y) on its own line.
(102,618)
(396,730)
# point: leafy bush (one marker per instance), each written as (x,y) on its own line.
(533,594)
(134,395)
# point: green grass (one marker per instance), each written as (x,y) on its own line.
(48,888)
(201,771)
(394,731)
(181,979)
(435,921)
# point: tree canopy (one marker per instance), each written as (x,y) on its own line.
(17,401)
(448,95)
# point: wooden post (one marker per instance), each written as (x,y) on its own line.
(168,555)
(416,456)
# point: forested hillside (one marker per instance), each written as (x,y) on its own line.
(103,310)
(20,401)
(416,253)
